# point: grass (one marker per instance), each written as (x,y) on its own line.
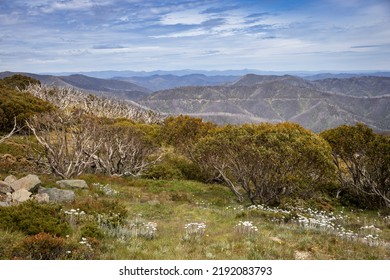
(173,204)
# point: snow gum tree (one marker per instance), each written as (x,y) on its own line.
(265,162)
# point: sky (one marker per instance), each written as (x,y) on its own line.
(140,35)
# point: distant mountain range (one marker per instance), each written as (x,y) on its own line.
(117,88)
(161,82)
(256,98)
(310,75)
(316,102)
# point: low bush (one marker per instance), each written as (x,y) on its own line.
(33,218)
(43,246)
(174,167)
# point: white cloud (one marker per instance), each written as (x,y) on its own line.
(188,17)
(73,5)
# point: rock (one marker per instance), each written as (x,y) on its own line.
(10,179)
(29,183)
(4,204)
(21,195)
(41,197)
(5,188)
(72,184)
(57,195)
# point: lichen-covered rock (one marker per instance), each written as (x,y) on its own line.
(29,183)
(10,178)
(5,188)
(21,195)
(58,195)
(41,197)
(72,184)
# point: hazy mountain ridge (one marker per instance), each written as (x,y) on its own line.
(119,89)
(356,86)
(161,82)
(275,99)
(316,104)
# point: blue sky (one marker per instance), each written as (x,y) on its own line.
(85,35)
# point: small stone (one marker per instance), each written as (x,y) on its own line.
(5,188)
(41,197)
(72,184)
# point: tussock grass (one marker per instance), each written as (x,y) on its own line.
(173,204)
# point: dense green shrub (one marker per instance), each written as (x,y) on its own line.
(266,162)
(174,167)
(19,82)
(91,230)
(17,104)
(32,218)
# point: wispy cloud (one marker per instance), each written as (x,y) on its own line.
(72,35)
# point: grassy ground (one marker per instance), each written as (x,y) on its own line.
(146,219)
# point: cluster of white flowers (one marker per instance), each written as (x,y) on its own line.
(320,222)
(106,189)
(203,204)
(134,228)
(74,212)
(246,228)
(323,221)
(85,242)
(347,234)
(269,209)
(195,230)
(372,240)
(370,228)
(139,228)
(74,215)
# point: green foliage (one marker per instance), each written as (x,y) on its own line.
(266,161)
(19,82)
(173,167)
(183,132)
(17,104)
(363,162)
(91,230)
(32,218)
(110,209)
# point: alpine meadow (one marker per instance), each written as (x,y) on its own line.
(245,130)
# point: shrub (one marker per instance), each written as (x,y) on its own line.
(173,166)
(17,104)
(41,246)
(32,218)
(266,162)
(91,230)
(362,159)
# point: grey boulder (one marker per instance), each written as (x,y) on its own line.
(72,184)
(58,195)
